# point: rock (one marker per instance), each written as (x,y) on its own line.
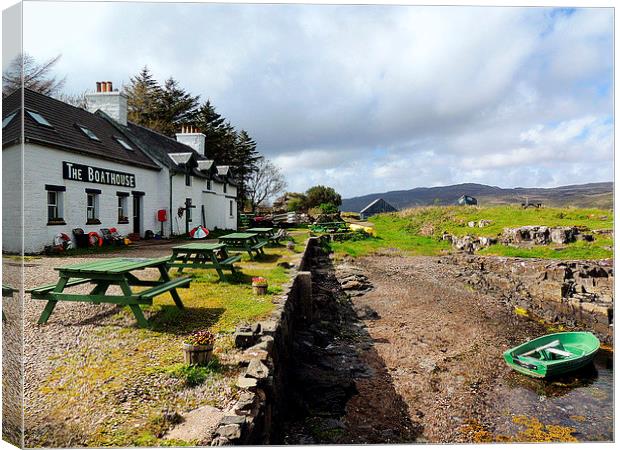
(230,432)
(232,420)
(366,313)
(246,383)
(483,223)
(471,224)
(256,369)
(198,424)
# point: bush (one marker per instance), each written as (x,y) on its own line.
(328,208)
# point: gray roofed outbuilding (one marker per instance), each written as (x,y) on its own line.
(378,206)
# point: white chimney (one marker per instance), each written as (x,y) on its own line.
(112,102)
(192,137)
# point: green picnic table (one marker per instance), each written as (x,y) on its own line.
(203,256)
(269,234)
(244,242)
(329,227)
(7,291)
(104,273)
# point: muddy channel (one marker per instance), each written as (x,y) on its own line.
(401,351)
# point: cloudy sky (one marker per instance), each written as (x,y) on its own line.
(369,98)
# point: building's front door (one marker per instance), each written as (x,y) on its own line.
(137,213)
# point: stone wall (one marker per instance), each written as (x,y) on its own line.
(267,346)
(577,293)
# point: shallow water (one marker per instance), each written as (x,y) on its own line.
(582,400)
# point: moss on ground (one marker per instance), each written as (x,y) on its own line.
(533,430)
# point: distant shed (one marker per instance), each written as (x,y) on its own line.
(467,200)
(376,207)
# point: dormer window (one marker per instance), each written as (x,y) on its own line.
(125,145)
(92,136)
(38,118)
(8,119)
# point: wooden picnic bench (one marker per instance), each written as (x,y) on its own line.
(203,256)
(244,242)
(104,273)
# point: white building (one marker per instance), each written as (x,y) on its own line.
(93,169)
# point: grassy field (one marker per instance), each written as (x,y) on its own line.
(417,231)
(128,376)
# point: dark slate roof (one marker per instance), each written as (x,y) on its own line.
(165,149)
(160,146)
(64,134)
(378,205)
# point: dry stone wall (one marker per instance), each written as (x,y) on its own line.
(578,293)
(267,347)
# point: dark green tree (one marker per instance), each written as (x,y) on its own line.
(174,106)
(143,94)
(244,158)
(318,195)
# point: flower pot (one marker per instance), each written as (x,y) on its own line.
(198,355)
(259,289)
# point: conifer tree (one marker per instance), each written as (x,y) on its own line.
(175,106)
(143,95)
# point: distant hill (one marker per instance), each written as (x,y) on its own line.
(592,195)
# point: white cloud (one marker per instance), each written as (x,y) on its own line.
(507,96)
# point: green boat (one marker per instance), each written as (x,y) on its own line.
(554,354)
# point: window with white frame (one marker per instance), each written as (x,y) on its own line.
(92,207)
(122,208)
(54,205)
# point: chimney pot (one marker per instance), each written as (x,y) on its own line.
(109,83)
(98,86)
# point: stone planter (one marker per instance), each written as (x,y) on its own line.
(198,355)
(259,289)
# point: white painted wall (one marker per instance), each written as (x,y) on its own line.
(217,204)
(12,199)
(179,193)
(44,166)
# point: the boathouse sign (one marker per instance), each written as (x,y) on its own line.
(90,174)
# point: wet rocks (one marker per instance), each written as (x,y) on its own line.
(573,292)
(352,280)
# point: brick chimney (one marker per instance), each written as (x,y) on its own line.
(190,135)
(109,100)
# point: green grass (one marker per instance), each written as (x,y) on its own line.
(454,219)
(392,232)
(417,231)
(88,380)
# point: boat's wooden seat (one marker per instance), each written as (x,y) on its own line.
(551,344)
(557,351)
